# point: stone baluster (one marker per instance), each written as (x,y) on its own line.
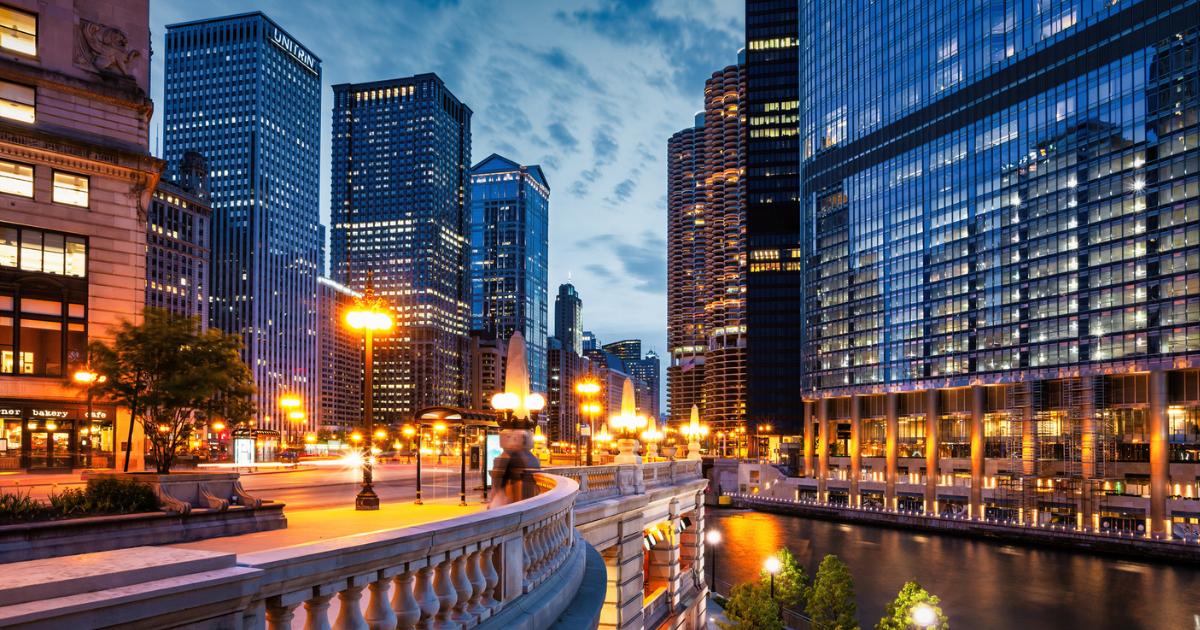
(426,596)
(281,611)
(316,608)
(488,563)
(404,604)
(462,587)
(350,616)
(526,584)
(539,554)
(478,583)
(379,613)
(443,586)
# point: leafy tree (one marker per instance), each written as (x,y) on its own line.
(830,598)
(750,608)
(168,373)
(790,582)
(899,612)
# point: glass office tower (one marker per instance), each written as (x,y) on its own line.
(568,318)
(246,95)
(400,166)
(510,224)
(1004,255)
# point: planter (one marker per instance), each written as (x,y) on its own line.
(181,492)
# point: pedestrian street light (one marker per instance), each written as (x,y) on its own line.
(369,315)
(924,616)
(772,567)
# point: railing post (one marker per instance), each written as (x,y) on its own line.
(350,616)
(462,587)
(488,564)
(478,583)
(379,614)
(316,608)
(426,595)
(443,587)
(281,610)
(404,603)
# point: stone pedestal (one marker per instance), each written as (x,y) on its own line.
(508,475)
(651,451)
(628,448)
(693,450)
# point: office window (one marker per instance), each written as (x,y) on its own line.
(70,189)
(17,101)
(18,30)
(16,179)
(46,252)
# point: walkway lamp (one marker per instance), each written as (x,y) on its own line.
(924,616)
(369,315)
(588,387)
(714,537)
(89,379)
(772,567)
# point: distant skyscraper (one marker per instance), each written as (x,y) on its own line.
(510,206)
(568,318)
(686,240)
(341,360)
(400,171)
(627,350)
(179,233)
(589,341)
(648,370)
(246,95)
(565,368)
(489,358)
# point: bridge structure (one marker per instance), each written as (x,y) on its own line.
(617,546)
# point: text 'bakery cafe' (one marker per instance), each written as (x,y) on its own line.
(55,436)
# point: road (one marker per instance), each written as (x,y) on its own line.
(334,486)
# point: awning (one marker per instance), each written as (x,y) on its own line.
(455,415)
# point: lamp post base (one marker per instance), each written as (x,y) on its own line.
(366,500)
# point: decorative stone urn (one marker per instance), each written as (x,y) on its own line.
(628,448)
(693,449)
(181,492)
(651,450)
(669,452)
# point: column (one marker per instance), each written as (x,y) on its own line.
(855,447)
(822,446)
(892,402)
(808,439)
(623,599)
(931,448)
(977,451)
(1090,447)
(664,559)
(1159,453)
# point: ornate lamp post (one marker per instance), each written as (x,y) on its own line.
(370,316)
(89,378)
(588,387)
(694,431)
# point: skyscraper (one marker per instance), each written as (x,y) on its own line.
(247,95)
(774,293)
(686,238)
(649,371)
(510,222)
(626,350)
(1004,240)
(400,171)
(178,239)
(589,340)
(568,318)
(341,360)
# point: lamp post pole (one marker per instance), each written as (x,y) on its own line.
(367,499)
(418,501)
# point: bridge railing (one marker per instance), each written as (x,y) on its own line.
(614,480)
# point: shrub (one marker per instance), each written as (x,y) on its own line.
(107,494)
(18,507)
(69,501)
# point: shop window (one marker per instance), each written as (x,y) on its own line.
(18,31)
(7,357)
(70,189)
(16,179)
(35,341)
(41,348)
(41,251)
(17,102)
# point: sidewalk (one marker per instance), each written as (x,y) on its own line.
(41,484)
(715,614)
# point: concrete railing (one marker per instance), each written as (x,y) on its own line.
(615,480)
(472,571)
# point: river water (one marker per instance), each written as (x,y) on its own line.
(982,584)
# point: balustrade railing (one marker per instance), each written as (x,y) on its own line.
(601,482)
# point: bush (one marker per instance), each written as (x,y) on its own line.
(69,501)
(107,494)
(19,507)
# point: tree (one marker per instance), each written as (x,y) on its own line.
(750,608)
(167,372)
(790,582)
(829,598)
(899,612)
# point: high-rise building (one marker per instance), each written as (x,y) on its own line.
(568,318)
(76,179)
(245,94)
(686,239)
(401,164)
(566,369)
(609,371)
(589,340)
(774,294)
(649,371)
(510,222)
(627,350)
(1005,242)
(707,248)
(489,362)
(341,360)
(179,234)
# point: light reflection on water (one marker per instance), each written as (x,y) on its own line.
(981,584)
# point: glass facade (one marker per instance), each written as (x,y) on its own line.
(246,95)
(400,170)
(998,190)
(510,222)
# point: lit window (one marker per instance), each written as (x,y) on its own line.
(16,179)
(70,189)
(17,101)
(18,31)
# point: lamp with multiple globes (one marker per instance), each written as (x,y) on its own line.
(588,388)
(369,315)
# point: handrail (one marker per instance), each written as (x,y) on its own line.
(614,480)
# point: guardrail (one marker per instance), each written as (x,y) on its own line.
(615,480)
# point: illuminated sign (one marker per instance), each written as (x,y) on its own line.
(294,49)
(48,413)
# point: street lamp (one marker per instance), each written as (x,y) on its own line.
(589,388)
(924,616)
(772,568)
(89,378)
(714,537)
(369,315)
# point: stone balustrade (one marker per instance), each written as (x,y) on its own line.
(615,480)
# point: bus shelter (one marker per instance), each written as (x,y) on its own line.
(431,416)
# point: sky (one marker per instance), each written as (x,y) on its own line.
(590,90)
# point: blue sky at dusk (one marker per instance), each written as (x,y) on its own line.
(591,90)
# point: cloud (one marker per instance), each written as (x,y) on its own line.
(570,66)
(643,261)
(560,134)
(604,145)
(578,189)
(622,192)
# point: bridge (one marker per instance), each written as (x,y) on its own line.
(615,546)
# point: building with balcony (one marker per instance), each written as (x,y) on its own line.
(401,175)
(178,242)
(244,93)
(1002,311)
(76,185)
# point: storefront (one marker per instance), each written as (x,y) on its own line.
(53,437)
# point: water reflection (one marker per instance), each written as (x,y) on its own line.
(982,584)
